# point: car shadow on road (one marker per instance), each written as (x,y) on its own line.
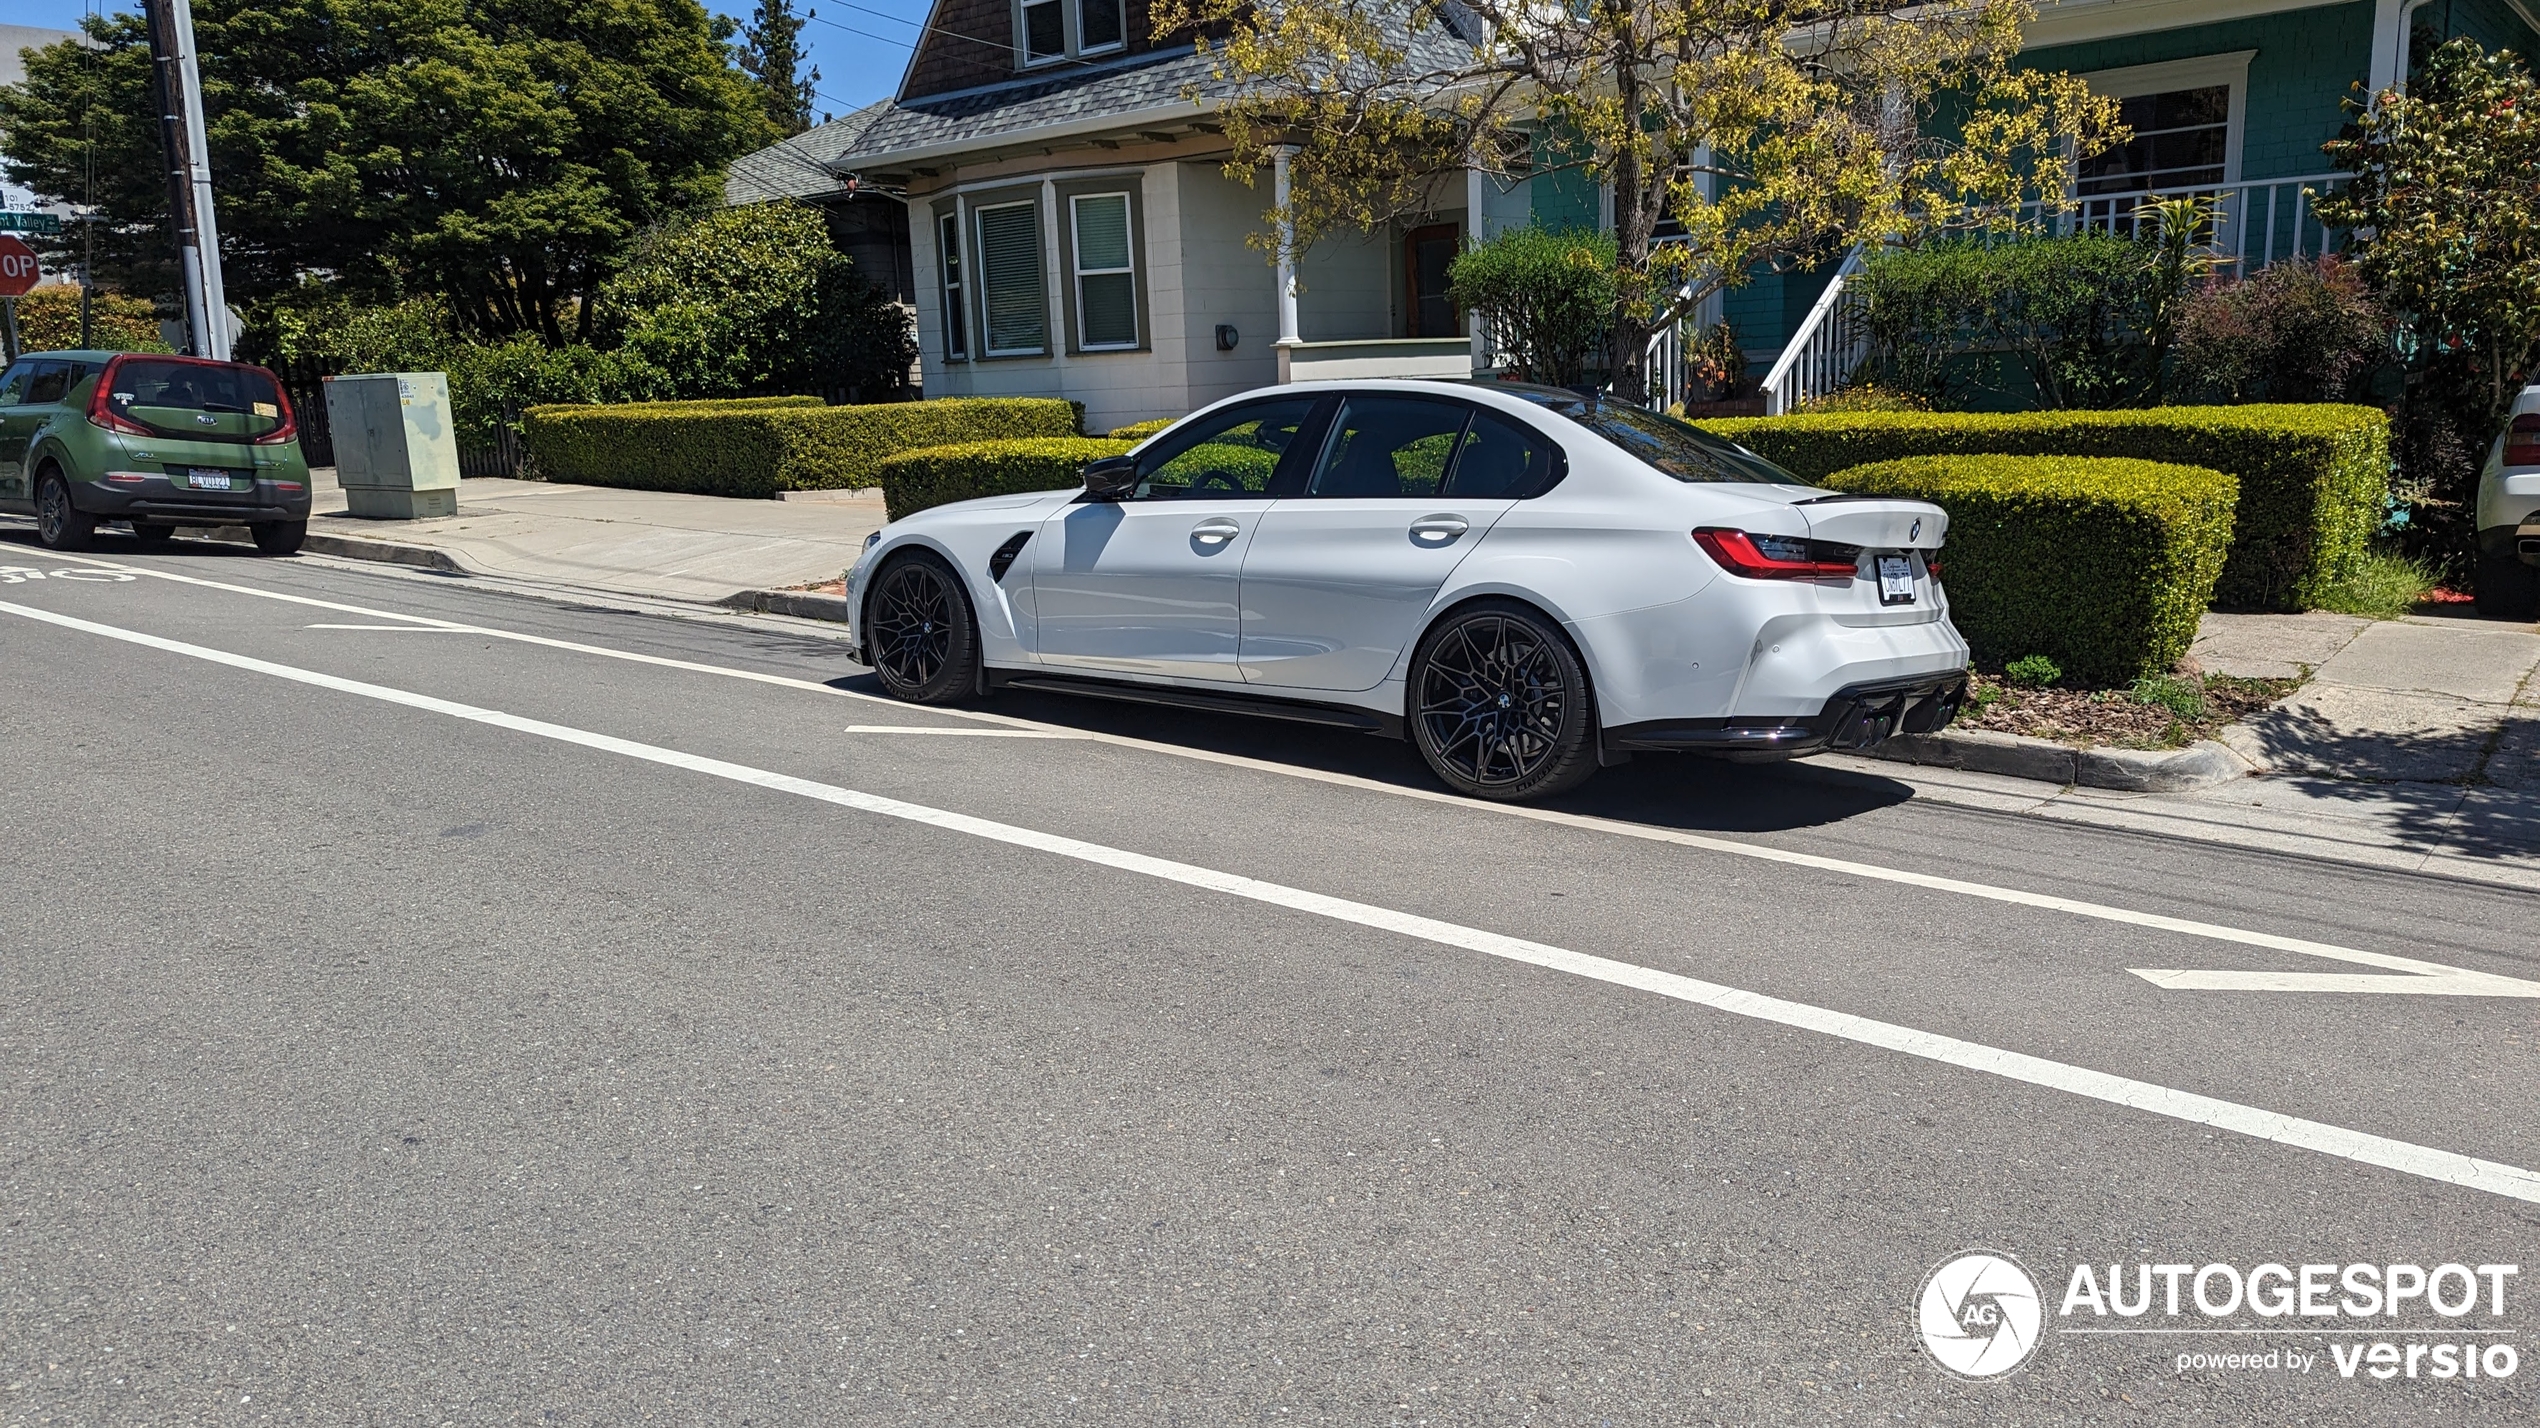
(114,543)
(1678,791)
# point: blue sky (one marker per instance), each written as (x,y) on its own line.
(860,48)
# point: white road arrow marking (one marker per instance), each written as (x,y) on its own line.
(2413,979)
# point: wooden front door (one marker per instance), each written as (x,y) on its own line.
(1426,252)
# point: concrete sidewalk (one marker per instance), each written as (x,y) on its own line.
(655,544)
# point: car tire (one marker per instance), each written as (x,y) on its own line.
(153,532)
(2507,588)
(919,631)
(279,537)
(59,524)
(1499,703)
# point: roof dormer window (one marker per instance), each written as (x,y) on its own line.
(1053,30)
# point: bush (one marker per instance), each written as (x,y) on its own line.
(754,299)
(2079,312)
(2096,568)
(1550,293)
(2034,671)
(2313,479)
(48,321)
(941,475)
(760,449)
(1141,430)
(2308,330)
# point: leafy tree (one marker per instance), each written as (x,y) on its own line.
(754,300)
(2306,330)
(1550,293)
(772,54)
(1773,134)
(2445,211)
(503,154)
(48,318)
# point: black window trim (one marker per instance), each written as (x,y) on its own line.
(1559,459)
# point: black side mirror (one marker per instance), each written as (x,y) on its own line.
(1113,478)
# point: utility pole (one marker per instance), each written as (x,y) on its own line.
(180,96)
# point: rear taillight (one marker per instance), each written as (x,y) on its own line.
(2522,442)
(288,488)
(1775,557)
(101,412)
(1931,566)
(290,419)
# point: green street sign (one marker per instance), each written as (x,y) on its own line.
(12,222)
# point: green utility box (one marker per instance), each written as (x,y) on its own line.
(396,454)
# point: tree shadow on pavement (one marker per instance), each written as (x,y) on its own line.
(2471,790)
(1679,791)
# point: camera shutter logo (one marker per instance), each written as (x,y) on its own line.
(1980,1314)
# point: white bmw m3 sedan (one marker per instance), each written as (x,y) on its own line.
(1526,582)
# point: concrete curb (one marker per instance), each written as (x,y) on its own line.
(422,557)
(2200,765)
(801,604)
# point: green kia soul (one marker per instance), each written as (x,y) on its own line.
(156,441)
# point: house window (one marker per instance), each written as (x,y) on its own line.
(1061,29)
(948,260)
(2181,140)
(1106,280)
(1044,31)
(1015,310)
(1427,253)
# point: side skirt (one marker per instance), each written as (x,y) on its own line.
(1295,711)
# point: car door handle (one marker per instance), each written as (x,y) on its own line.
(1216,530)
(1439,528)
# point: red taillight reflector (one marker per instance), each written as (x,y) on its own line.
(289,488)
(127,478)
(1789,558)
(2522,443)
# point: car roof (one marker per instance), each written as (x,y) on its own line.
(101,354)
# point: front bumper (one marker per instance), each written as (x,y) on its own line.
(153,497)
(1856,717)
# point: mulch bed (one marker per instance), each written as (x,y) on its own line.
(2168,713)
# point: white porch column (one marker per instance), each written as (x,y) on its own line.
(1287,255)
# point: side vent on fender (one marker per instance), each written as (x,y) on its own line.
(1003,560)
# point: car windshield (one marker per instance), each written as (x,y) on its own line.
(208,401)
(1679,448)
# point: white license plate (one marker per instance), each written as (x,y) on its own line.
(199,479)
(1896,580)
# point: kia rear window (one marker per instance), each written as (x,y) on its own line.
(203,400)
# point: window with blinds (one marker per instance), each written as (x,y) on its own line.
(948,259)
(1015,310)
(1106,279)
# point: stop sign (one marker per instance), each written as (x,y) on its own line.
(18,268)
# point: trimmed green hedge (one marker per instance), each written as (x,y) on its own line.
(2102,564)
(1141,430)
(940,475)
(2313,478)
(725,449)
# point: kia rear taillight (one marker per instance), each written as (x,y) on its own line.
(290,419)
(2522,443)
(1777,557)
(101,412)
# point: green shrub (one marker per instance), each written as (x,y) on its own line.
(1141,430)
(2313,479)
(2098,567)
(2034,671)
(940,475)
(1550,292)
(727,449)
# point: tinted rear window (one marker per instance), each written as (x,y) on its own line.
(1678,448)
(204,400)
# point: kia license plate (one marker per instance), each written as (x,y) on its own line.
(203,478)
(1896,580)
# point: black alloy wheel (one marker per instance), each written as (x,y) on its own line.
(59,524)
(918,632)
(1500,704)
(279,537)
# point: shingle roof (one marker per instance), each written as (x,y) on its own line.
(798,167)
(979,118)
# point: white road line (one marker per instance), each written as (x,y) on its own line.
(2076,907)
(398,629)
(959,733)
(2447,1167)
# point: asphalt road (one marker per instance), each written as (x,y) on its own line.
(560,1015)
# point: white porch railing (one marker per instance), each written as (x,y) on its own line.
(1828,345)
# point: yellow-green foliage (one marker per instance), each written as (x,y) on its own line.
(759,448)
(962,471)
(2313,478)
(2101,564)
(48,321)
(1141,430)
